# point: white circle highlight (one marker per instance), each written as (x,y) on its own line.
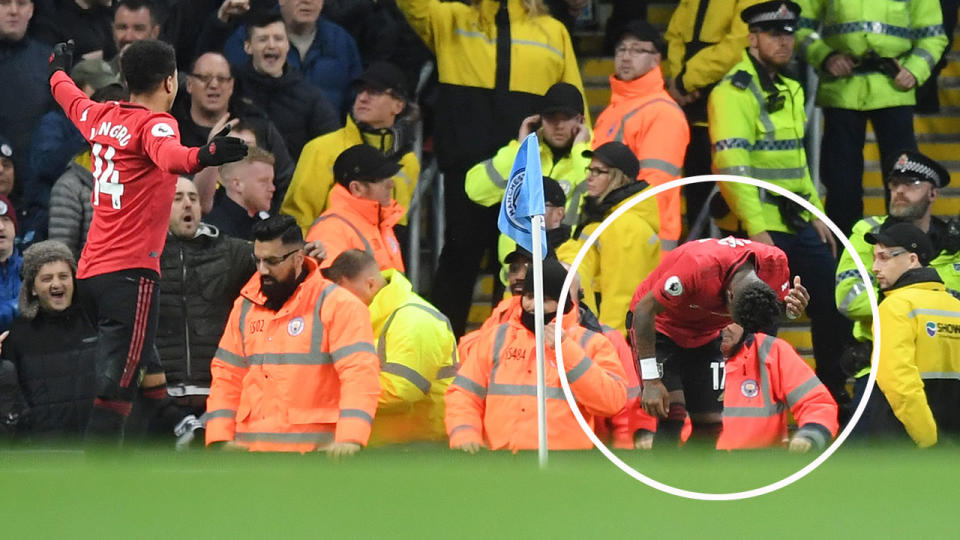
(769,488)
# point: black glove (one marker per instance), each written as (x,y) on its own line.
(61,59)
(222,149)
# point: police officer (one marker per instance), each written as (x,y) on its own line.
(756,117)
(870,56)
(919,370)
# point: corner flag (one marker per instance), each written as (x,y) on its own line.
(523,197)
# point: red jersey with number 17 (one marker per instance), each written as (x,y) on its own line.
(690,283)
(136,155)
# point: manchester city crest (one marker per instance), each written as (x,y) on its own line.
(295,326)
(749,388)
(512,197)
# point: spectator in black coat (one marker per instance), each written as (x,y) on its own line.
(52,346)
(89,23)
(202,272)
(297,108)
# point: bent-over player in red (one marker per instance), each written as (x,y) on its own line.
(678,312)
(136,156)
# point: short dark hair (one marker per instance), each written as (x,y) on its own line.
(756,307)
(280,226)
(259,20)
(145,64)
(349,265)
(193,63)
(111,92)
(156,12)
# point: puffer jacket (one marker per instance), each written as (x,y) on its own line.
(54,357)
(200,279)
(70,208)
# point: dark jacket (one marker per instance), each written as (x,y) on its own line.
(231,219)
(55,142)
(268,137)
(298,109)
(9,289)
(200,279)
(54,357)
(24,94)
(90,29)
(331,63)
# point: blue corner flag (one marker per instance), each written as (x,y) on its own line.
(523,197)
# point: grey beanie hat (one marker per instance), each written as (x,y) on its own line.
(35,257)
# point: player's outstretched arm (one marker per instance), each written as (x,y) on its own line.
(222,149)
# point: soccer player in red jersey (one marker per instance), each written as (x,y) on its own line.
(678,312)
(136,157)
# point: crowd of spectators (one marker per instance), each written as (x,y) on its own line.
(286,321)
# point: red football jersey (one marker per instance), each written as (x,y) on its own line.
(690,280)
(136,156)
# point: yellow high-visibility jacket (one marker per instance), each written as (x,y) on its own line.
(919,371)
(309,191)
(418,359)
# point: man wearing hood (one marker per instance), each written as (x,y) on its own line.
(919,368)
(492,402)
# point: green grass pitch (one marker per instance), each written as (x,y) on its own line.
(436,493)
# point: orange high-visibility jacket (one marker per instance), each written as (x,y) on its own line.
(353,223)
(296,379)
(643,116)
(632,417)
(764,378)
(493,399)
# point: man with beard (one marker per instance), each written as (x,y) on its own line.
(296,370)
(492,401)
(914,181)
(757,130)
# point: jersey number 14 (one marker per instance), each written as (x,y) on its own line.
(105,175)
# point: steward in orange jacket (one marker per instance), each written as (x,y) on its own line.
(643,116)
(296,376)
(764,378)
(361,213)
(492,401)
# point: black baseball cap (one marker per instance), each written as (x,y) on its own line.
(385,76)
(363,163)
(642,31)
(618,155)
(906,236)
(562,97)
(553,275)
(553,192)
(6,149)
(912,164)
(774,15)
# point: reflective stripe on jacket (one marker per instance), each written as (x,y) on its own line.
(919,370)
(763,379)
(307,196)
(295,379)
(852,298)
(418,359)
(354,223)
(909,30)
(493,398)
(704,40)
(643,116)
(748,140)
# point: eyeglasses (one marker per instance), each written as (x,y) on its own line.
(884,257)
(207,79)
(272,261)
(633,51)
(595,171)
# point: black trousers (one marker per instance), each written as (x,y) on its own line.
(811,259)
(471,230)
(697,162)
(841,155)
(124,307)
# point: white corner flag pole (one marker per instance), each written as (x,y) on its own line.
(537,226)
